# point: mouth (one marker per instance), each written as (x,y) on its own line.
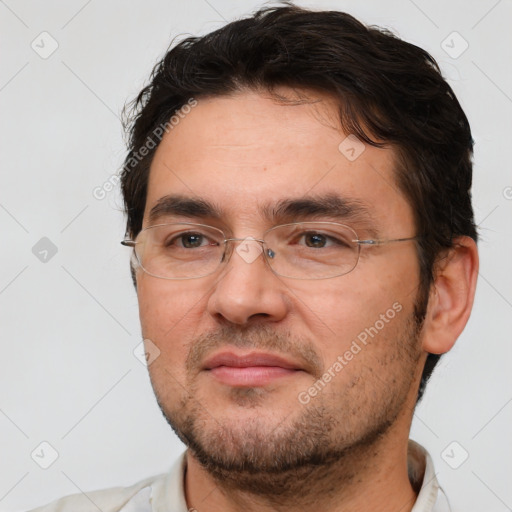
(250,370)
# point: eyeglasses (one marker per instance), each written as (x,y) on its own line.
(300,250)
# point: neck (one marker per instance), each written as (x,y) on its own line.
(369,477)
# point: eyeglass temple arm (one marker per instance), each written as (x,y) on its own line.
(128,243)
(382,242)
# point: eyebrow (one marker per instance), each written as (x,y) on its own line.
(182,206)
(330,206)
(326,207)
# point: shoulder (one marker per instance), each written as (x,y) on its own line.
(153,494)
(106,500)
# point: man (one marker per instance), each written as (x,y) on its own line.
(298,197)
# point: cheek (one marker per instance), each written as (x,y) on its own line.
(164,316)
(169,316)
(165,305)
(339,310)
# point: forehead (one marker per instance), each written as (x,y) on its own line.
(244,152)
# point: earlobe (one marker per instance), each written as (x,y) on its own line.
(451,296)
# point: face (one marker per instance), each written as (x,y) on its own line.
(259,372)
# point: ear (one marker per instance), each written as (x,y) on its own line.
(451,296)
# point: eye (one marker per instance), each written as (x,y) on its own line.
(315,240)
(190,241)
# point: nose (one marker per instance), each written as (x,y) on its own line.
(247,289)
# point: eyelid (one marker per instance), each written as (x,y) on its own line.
(363,228)
(182,219)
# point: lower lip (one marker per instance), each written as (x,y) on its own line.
(251,375)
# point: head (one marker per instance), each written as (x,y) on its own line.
(261,108)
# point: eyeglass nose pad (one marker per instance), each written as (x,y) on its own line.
(226,254)
(229,249)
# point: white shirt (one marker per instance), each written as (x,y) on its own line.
(165,493)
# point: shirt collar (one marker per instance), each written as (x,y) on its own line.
(168,491)
(422,476)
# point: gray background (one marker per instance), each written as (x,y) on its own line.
(69,320)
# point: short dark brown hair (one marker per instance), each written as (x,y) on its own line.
(390,93)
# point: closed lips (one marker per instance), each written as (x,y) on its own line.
(249,360)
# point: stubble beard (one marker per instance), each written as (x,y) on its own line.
(277,458)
